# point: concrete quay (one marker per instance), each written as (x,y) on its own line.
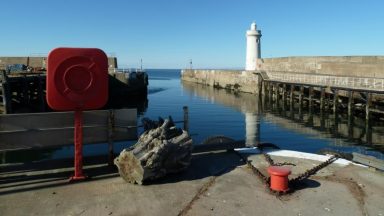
(216,183)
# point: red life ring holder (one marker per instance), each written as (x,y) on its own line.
(75,79)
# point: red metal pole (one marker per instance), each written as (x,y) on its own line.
(78,147)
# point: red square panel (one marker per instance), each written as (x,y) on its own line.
(77,79)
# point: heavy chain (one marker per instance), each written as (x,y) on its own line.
(272,163)
(256,171)
(269,159)
(266,180)
(293,182)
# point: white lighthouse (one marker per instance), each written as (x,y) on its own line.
(253,48)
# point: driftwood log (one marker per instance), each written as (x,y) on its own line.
(165,149)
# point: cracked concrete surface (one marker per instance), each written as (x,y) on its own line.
(216,184)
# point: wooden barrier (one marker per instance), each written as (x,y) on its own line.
(40,130)
(5,93)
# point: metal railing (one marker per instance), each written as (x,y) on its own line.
(367,83)
(127,70)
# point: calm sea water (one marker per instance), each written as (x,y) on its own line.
(219,112)
(239,116)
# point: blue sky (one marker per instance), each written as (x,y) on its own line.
(167,33)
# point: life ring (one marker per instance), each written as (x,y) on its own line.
(75,78)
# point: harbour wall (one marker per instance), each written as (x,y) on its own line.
(39,62)
(235,80)
(355,66)
(351,71)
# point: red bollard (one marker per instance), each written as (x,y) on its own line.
(279,178)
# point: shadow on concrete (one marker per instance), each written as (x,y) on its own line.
(204,165)
(54,173)
(50,173)
(305,184)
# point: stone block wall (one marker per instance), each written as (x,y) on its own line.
(236,80)
(356,66)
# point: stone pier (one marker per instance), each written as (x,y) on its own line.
(236,80)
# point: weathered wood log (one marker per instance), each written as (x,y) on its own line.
(159,151)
